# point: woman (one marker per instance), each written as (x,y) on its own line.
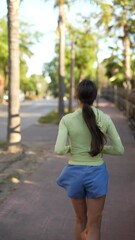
(85,177)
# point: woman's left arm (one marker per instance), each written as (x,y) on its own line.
(116,147)
(60,147)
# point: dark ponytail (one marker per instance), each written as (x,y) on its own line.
(86,93)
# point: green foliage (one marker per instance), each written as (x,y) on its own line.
(85,54)
(115,15)
(40,84)
(3,38)
(115,70)
(119,23)
(51,69)
(28,85)
(28,38)
(35,84)
(2,144)
(85,57)
(52,117)
(3,47)
(23,69)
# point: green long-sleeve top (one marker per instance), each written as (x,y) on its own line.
(72,127)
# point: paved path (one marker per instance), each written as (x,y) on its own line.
(30,111)
(39,210)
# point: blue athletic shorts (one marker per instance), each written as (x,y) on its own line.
(84,181)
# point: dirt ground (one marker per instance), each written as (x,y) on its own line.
(14,168)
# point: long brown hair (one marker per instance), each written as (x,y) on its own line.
(86,93)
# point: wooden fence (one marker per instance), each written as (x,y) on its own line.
(124,100)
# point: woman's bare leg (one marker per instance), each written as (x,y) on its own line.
(80,208)
(95,208)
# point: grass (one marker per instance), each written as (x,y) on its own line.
(2,144)
(51,117)
(2,180)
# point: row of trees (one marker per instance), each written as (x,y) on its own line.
(26,40)
(119,23)
(116,22)
(13,69)
(76,56)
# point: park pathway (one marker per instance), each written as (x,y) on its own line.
(39,210)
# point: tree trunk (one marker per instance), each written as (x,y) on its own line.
(126,43)
(72,87)
(13,133)
(61,70)
(97,77)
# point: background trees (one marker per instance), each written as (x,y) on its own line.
(13,68)
(3,55)
(77,56)
(84,59)
(28,37)
(118,21)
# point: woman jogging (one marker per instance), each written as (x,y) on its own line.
(85,177)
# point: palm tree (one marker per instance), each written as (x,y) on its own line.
(14,134)
(72,77)
(119,16)
(61,68)
(127,58)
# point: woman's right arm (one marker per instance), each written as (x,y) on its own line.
(116,147)
(61,147)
